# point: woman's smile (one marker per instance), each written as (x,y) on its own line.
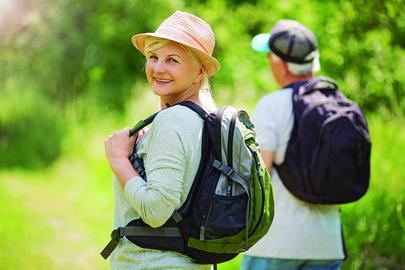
(162,81)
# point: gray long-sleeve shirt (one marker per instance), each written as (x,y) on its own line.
(171,150)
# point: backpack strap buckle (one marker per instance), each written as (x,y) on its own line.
(226,170)
(116,235)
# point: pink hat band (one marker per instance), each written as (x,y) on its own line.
(188,30)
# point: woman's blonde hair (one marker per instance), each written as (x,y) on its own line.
(154,43)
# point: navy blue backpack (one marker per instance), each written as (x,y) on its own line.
(327,159)
(230,204)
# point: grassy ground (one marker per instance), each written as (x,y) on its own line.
(53,220)
(60,218)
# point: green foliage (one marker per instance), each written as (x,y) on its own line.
(59,61)
(30,129)
(375,226)
(365,53)
(88,47)
(88,51)
(80,52)
(72,72)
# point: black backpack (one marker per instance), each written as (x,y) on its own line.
(327,160)
(230,203)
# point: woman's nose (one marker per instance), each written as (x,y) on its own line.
(159,66)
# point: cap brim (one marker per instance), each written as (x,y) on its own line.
(260,43)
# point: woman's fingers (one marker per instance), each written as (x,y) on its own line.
(141,133)
(119,144)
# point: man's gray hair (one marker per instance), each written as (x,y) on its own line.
(302,69)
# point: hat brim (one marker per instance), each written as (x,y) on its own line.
(210,63)
(260,43)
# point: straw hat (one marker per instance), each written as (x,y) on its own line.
(188,30)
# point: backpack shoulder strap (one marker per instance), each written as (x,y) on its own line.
(320,83)
(330,82)
(189,104)
(194,107)
(143,123)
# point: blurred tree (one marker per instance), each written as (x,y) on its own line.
(80,51)
(71,51)
(364,48)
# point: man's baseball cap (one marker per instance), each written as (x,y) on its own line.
(289,40)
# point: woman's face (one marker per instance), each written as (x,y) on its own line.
(171,73)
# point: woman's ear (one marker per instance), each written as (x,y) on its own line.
(200,75)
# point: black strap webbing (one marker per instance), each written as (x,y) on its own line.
(118,233)
(109,248)
(148,231)
(189,104)
(194,107)
(143,123)
(176,216)
(115,238)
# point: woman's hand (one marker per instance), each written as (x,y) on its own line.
(141,133)
(118,147)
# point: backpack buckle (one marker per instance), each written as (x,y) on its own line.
(226,170)
(117,234)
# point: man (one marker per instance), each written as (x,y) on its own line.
(303,235)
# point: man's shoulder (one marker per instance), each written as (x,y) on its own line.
(281,95)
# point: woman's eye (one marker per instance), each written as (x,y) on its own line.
(152,57)
(172,60)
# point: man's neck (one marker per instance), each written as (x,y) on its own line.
(290,78)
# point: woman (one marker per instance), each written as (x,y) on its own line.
(179,63)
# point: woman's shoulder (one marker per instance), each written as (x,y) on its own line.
(176,113)
(173,124)
(178,117)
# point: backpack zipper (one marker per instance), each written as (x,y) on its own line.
(204,223)
(202,228)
